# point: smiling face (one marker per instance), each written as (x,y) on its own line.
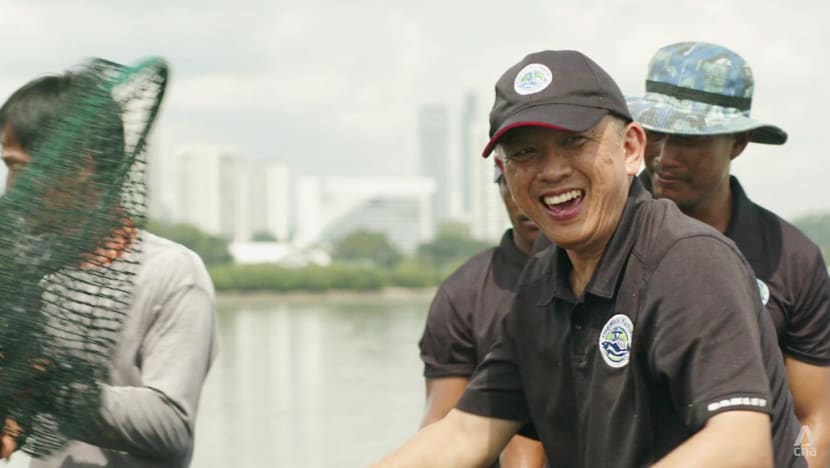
(573,185)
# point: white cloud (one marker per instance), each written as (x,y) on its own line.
(345,77)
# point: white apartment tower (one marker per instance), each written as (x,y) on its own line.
(438,162)
(488,218)
(209,189)
(268,201)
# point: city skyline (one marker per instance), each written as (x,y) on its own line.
(333,88)
(225,194)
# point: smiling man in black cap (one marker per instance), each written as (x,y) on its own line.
(463,323)
(697,113)
(639,338)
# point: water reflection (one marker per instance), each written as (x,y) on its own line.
(312,383)
(309,383)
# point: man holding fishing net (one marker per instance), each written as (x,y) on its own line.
(107,332)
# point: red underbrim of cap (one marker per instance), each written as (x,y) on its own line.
(562,117)
(492,143)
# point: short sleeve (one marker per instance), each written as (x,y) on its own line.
(807,335)
(706,346)
(447,345)
(495,390)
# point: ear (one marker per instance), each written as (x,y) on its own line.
(634,144)
(500,163)
(739,144)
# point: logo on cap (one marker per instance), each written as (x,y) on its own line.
(615,340)
(532,79)
(764,290)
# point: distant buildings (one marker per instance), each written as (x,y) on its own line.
(224,195)
(266,195)
(271,215)
(464,188)
(159,204)
(470,149)
(208,192)
(283,253)
(438,162)
(488,218)
(329,208)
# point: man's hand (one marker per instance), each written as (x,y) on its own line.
(8,441)
(11,429)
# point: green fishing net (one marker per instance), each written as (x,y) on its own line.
(69,250)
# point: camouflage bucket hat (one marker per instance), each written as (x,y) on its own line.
(696,88)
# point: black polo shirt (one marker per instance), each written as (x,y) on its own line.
(791,274)
(462,322)
(668,333)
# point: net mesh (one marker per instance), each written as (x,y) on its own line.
(69,250)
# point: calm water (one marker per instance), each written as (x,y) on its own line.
(310,383)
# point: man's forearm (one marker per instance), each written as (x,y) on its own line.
(436,446)
(442,396)
(457,441)
(140,420)
(726,443)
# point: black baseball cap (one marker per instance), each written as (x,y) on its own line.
(558,89)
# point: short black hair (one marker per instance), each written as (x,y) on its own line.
(38,107)
(35,107)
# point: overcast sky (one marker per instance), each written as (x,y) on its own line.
(333,86)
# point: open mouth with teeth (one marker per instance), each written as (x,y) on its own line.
(564,206)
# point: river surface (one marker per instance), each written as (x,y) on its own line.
(310,382)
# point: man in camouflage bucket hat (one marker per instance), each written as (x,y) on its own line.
(696,112)
(695,88)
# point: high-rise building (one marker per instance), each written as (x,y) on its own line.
(268,194)
(330,208)
(470,149)
(488,218)
(437,161)
(158,189)
(210,189)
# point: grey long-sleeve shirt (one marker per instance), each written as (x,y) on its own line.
(167,344)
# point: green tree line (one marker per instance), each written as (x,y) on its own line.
(363,260)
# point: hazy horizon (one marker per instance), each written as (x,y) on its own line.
(334,87)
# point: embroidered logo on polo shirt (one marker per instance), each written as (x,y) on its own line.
(532,79)
(615,340)
(764,290)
